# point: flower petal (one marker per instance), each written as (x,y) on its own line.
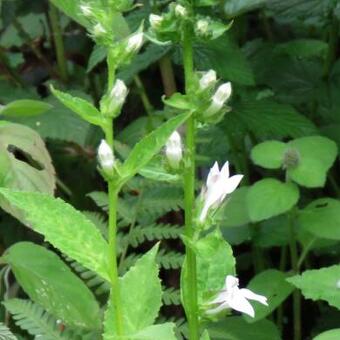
(241,304)
(218,308)
(214,171)
(225,170)
(231,282)
(221,297)
(232,183)
(252,296)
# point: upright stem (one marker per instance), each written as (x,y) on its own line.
(295,267)
(58,42)
(112,235)
(168,77)
(189,196)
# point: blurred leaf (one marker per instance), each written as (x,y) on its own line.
(269,154)
(234,8)
(303,48)
(50,283)
(332,334)
(25,108)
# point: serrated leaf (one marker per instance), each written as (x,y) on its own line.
(269,154)
(270,197)
(64,227)
(50,283)
(273,285)
(144,150)
(141,293)
(303,48)
(163,331)
(5,333)
(319,284)
(321,218)
(24,108)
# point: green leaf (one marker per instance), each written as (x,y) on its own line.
(24,108)
(141,293)
(163,331)
(97,56)
(144,150)
(321,218)
(317,154)
(272,284)
(50,283)
(234,8)
(236,328)
(332,334)
(303,48)
(270,197)
(269,154)
(36,172)
(178,101)
(80,106)
(5,333)
(205,335)
(319,284)
(64,227)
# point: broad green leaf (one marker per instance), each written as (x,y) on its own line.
(25,163)
(319,284)
(270,197)
(332,334)
(316,156)
(50,283)
(303,48)
(234,8)
(236,328)
(272,284)
(64,227)
(141,293)
(205,335)
(24,108)
(80,106)
(144,150)
(321,218)
(215,260)
(234,213)
(163,331)
(269,154)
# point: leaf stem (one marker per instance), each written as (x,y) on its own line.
(191,305)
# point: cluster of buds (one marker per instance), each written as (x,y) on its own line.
(173,150)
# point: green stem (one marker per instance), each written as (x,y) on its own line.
(58,42)
(191,305)
(111,65)
(168,78)
(305,252)
(295,267)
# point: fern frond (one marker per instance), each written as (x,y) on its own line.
(152,232)
(33,319)
(98,220)
(171,296)
(5,333)
(170,259)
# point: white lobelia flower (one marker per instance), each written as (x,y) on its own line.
(218,186)
(135,42)
(180,11)
(173,150)
(98,30)
(233,297)
(118,93)
(208,79)
(86,10)
(202,26)
(155,20)
(222,94)
(106,157)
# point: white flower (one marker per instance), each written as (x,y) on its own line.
(86,10)
(233,297)
(202,26)
(135,42)
(218,186)
(207,80)
(173,149)
(222,94)
(155,20)
(106,157)
(180,11)
(98,30)
(119,92)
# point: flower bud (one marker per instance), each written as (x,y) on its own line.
(98,30)
(155,20)
(202,26)
(207,80)
(173,150)
(180,11)
(222,94)
(86,10)
(135,42)
(105,157)
(115,99)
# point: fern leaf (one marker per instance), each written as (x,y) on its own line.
(5,333)
(171,296)
(170,259)
(33,319)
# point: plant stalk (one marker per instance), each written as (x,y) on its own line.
(168,78)
(191,305)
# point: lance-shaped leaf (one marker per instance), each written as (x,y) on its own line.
(25,108)
(80,106)
(49,282)
(63,226)
(144,150)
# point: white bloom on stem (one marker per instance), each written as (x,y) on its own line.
(173,149)
(202,26)
(218,186)
(119,92)
(86,10)
(221,95)
(231,296)
(99,30)
(180,11)
(105,156)
(155,20)
(135,42)
(208,79)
